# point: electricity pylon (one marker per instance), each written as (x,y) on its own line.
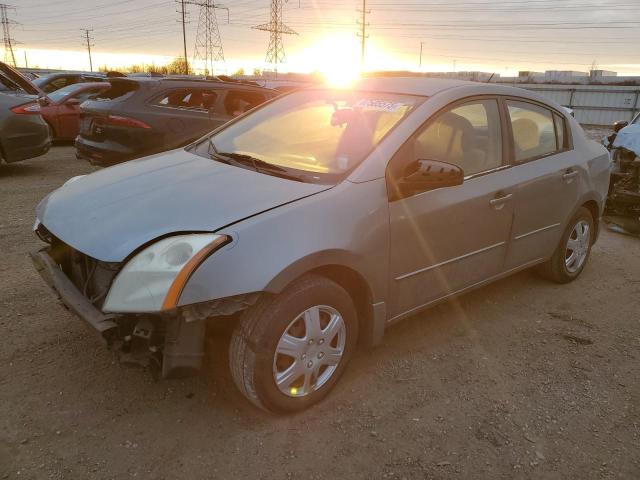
(9,56)
(208,42)
(275,50)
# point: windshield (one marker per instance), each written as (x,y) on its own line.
(320,132)
(63,92)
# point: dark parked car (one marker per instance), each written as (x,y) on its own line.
(55,81)
(23,132)
(143,116)
(62,111)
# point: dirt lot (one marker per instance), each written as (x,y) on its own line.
(522,379)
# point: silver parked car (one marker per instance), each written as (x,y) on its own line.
(317,221)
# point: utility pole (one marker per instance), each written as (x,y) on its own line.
(26,65)
(363,31)
(9,56)
(184,37)
(88,39)
(275,50)
(208,42)
(420,65)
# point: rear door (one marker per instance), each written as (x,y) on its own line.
(547,174)
(187,113)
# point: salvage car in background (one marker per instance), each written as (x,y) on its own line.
(142,116)
(61,110)
(318,220)
(55,81)
(623,203)
(23,132)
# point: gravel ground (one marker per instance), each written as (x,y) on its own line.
(521,379)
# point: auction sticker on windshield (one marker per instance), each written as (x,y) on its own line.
(379,105)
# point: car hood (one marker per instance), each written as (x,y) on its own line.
(19,79)
(110,213)
(629,138)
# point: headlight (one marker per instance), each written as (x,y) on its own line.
(153,280)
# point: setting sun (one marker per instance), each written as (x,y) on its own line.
(337,57)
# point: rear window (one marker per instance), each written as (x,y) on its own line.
(119,90)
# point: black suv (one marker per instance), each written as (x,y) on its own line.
(143,116)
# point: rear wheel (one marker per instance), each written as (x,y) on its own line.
(288,351)
(572,254)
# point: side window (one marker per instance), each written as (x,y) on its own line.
(534,130)
(86,94)
(57,84)
(467,135)
(239,101)
(188,98)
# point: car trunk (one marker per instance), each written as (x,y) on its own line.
(95,113)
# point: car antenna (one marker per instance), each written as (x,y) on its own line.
(490,78)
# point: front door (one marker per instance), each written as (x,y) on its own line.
(445,240)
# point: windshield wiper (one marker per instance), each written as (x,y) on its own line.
(257,164)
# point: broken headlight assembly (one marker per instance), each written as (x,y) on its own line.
(153,279)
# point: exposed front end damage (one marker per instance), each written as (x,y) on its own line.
(170,344)
(623,202)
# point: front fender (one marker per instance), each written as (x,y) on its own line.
(345,226)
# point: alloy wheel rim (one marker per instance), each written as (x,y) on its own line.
(577,246)
(309,351)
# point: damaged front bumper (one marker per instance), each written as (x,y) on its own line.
(169,342)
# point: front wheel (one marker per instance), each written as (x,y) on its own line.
(289,350)
(572,254)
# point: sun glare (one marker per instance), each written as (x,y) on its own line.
(337,57)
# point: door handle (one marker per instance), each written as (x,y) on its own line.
(569,175)
(498,202)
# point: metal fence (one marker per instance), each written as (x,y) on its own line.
(593,104)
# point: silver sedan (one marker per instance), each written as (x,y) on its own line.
(318,220)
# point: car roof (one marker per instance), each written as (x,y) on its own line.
(423,86)
(182,82)
(428,87)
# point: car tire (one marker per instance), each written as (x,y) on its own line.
(315,318)
(576,241)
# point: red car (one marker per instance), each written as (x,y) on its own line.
(62,110)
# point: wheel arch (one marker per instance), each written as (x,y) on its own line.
(349,278)
(594,209)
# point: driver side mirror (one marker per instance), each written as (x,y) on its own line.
(423,175)
(619,126)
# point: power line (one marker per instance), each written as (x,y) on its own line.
(275,50)
(9,56)
(89,45)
